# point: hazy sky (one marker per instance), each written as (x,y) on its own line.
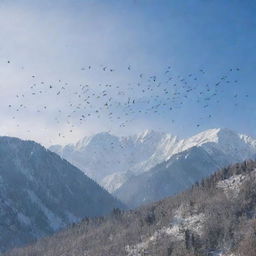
(53,40)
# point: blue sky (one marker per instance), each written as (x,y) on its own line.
(54,39)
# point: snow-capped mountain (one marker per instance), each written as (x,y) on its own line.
(190,161)
(113,160)
(235,147)
(41,193)
(104,154)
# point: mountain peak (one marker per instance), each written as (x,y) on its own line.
(212,135)
(148,133)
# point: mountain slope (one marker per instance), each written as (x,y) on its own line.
(178,173)
(214,218)
(41,193)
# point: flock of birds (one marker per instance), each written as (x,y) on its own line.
(121,102)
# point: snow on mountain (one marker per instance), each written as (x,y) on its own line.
(114,181)
(104,154)
(237,147)
(170,177)
(189,161)
(166,145)
(112,160)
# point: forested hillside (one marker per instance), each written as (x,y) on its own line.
(215,217)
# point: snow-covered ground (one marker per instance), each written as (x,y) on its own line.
(175,231)
(232,185)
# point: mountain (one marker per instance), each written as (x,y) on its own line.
(216,217)
(177,174)
(235,147)
(198,157)
(103,154)
(115,162)
(41,193)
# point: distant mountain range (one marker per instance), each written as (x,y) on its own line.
(152,165)
(41,193)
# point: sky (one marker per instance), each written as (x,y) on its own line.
(54,42)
